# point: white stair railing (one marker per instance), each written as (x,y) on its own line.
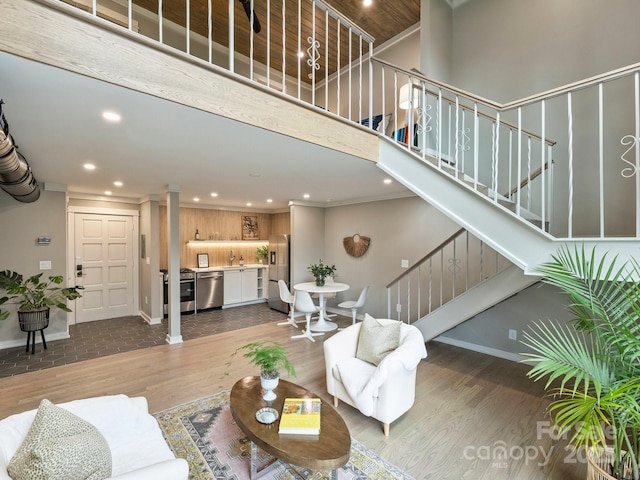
(458,264)
(584,183)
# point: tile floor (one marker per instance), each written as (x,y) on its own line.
(107,337)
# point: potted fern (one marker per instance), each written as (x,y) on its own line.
(592,367)
(270,357)
(35,296)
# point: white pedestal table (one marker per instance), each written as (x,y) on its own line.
(322,325)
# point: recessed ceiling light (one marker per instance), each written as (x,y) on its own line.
(300,54)
(387,181)
(367,3)
(118,183)
(89,166)
(110,116)
(269,200)
(107,192)
(196,199)
(248,204)
(306,195)
(214,194)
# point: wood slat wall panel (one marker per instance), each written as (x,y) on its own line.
(221,225)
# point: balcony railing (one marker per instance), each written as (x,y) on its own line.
(566,160)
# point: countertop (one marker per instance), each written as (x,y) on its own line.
(222,268)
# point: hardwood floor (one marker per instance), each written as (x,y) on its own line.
(475,416)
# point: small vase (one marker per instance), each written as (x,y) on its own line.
(320,280)
(269,385)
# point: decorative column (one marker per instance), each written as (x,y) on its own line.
(173,249)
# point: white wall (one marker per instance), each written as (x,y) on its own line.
(21,224)
(436,21)
(508,49)
(307,241)
(406,228)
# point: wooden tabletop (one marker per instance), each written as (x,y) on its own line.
(327,451)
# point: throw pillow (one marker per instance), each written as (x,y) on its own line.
(377,340)
(60,445)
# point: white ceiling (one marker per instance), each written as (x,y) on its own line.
(55,119)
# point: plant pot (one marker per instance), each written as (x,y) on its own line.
(599,463)
(269,385)
(320,280)
(264,261)
(33,320)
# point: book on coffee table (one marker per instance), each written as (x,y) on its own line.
(300,416)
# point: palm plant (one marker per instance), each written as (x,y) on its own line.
(592,366)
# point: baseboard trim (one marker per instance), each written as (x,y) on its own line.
(149,320)
(494,352)
(23,342)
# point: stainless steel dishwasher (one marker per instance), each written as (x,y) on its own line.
(209,290)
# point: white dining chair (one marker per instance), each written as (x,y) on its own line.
(287,297)
(354,305)
(304,303)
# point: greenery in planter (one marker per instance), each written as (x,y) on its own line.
(592,367)
(320,271)
(269,356)
(262,253)
(34,293)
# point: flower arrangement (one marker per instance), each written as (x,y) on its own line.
(320,271)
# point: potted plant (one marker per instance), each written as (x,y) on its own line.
(592,366)
(270,357)
(262,253)
(35,297)
(320,271)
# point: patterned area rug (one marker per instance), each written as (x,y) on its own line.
(204,433)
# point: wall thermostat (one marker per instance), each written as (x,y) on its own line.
(44,240)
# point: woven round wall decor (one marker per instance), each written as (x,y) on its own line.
(357,245)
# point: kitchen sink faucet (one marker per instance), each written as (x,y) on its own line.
(231,258)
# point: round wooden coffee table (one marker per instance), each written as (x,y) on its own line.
(327,451)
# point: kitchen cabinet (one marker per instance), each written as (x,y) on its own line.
(241,285)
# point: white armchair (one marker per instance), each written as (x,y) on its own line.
(384,392)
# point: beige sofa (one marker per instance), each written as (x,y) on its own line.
(138,449)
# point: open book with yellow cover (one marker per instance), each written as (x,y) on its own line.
(300,416)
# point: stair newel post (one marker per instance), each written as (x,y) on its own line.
(570,203)
(636,79)
(495,159)
(439,127)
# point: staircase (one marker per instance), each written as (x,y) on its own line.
(522,178)
(463,150)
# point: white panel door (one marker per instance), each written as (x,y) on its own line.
(103,247)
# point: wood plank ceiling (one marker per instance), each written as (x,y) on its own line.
(382,20)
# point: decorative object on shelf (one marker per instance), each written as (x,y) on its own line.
(241,261)
(270,357)
(320,272)
(262,253)
(197,237)
(357,245)
(203,260)
(250,228)
(591,364)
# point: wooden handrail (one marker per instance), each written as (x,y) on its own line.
(503,107)
(525,181)
(548,141)
(427,256)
